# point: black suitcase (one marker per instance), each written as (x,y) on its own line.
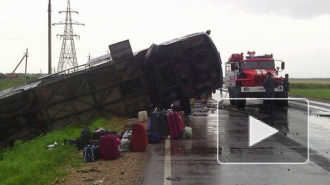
(158,123)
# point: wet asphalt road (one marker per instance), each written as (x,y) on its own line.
(195,161)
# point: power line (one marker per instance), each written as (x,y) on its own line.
(68,56)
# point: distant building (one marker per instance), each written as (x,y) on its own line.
(11,75)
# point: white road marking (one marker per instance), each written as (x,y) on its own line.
(167,166)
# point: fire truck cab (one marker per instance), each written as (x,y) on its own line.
(244,77)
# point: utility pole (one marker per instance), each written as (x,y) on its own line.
(26,55)
(49,38)
(89,56)
(68,52)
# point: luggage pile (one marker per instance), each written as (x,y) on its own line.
(108,145)
(167,123)
(98,144)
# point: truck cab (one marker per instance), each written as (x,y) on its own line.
(244,77)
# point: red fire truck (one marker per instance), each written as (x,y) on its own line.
(244,78)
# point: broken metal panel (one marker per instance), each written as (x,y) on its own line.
(121,50)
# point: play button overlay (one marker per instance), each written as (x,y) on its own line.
(263,132)
(259,131)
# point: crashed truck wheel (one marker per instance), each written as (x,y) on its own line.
(202,61)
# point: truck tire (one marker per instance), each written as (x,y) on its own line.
(202,62)
(240,104)
(231,95)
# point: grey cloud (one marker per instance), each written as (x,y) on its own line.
(298,9)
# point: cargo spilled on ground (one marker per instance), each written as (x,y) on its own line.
(31,162)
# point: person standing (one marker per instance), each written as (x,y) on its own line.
(285,83)
(270,84)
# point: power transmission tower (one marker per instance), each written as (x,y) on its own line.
(68,57)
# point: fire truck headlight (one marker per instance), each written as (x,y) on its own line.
(246,89)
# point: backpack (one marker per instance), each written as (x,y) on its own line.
(86,133)
(84,139)
(91,153)
(125,145)
(154,137)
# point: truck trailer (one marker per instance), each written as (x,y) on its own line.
(122,85)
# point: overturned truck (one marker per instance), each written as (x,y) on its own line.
(121,85)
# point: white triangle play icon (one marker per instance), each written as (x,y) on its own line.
(259,131)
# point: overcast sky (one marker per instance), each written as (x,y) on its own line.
(296,31)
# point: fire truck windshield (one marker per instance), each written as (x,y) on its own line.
(258,65)
(266,65)
(250,65)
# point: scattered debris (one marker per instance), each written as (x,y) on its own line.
(56,181)
(52,145)
(87,171)
(97,182)
(173,178)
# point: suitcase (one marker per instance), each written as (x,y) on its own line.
(91,153)
(158,123)
(154,138)
(139,137)
(96,135)
(108,147)
(175,124)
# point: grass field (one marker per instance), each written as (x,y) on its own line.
(321,94)
(310,80)
(310,88)
(7,83)
(31,163)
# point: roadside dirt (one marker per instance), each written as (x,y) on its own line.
(129,168)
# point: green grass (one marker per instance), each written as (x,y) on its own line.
(322,94)
(309,86)
(310,90)
(31,163)
(7,83)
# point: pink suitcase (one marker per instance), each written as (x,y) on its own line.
(108,147)
(175,124)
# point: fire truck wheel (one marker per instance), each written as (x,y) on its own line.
(231,95)
(240,103)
